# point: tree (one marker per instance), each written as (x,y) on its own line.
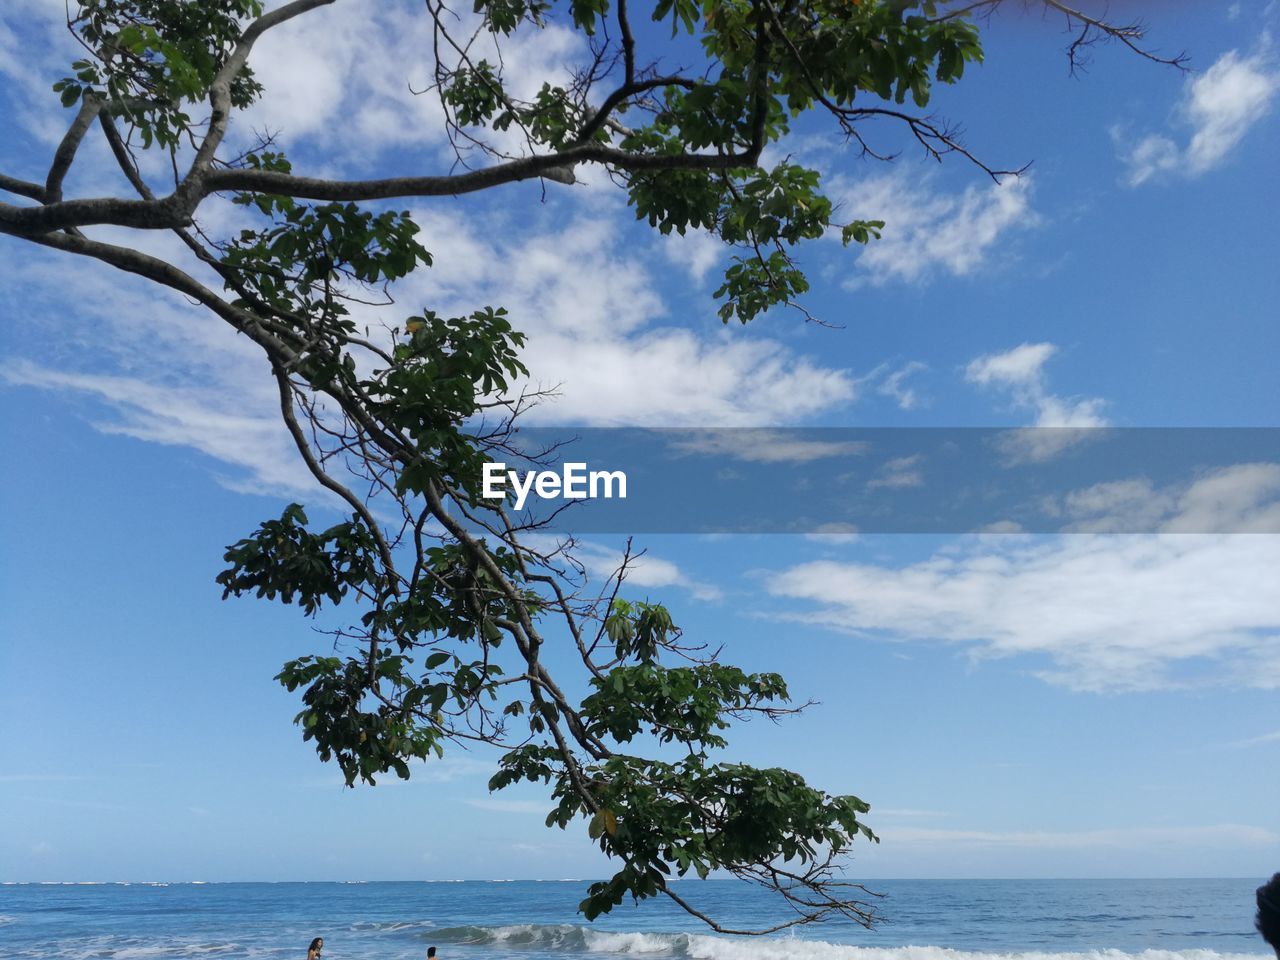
(453,607)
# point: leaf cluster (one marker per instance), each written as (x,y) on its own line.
(151,57)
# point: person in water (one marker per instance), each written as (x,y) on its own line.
(431,953)
(1268,919)
(313,951)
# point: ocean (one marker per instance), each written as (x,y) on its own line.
(536,920)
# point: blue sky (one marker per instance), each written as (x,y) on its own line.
(1011,706)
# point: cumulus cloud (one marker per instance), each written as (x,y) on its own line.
(1020,368)
(1020,374)
(601,336)
(341,79)
(1216,111)
(695,251)
(927,231)
(1088,612)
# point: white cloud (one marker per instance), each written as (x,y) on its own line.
(899,473)
(1218,107)
(176,375)
(673,377)
(834,534)
(451,768)
(36,50)
(341,79)
(1107,613)
(1061,422)
(1242,498)
(599,333)
(1000,528)
(894,385)
(218,424)
(337,80)
(696,251)
(765,446)
(1272,737)
(1212,836)
(1020,368)
(643,569)
(927,231)
(500,805)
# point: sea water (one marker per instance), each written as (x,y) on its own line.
(537,920)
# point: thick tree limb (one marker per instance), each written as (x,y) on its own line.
(90,107)
(23,188)
(177,209)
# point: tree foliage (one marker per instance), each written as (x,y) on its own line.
(450,607)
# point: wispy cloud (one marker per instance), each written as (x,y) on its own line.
(216,423)
(40,778)
(1106,613)
(898,473)
(894,385)
(501,805)
(1019,373)
(1241,498)
(928,231)
(1218,108)
(765,446)
(447,769)
(890,380)
(1272,737)
(834,534)
(645,570)
(1214,836)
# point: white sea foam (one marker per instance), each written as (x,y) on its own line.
(690,946)
(393,926)
(140,948)
(172,950)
